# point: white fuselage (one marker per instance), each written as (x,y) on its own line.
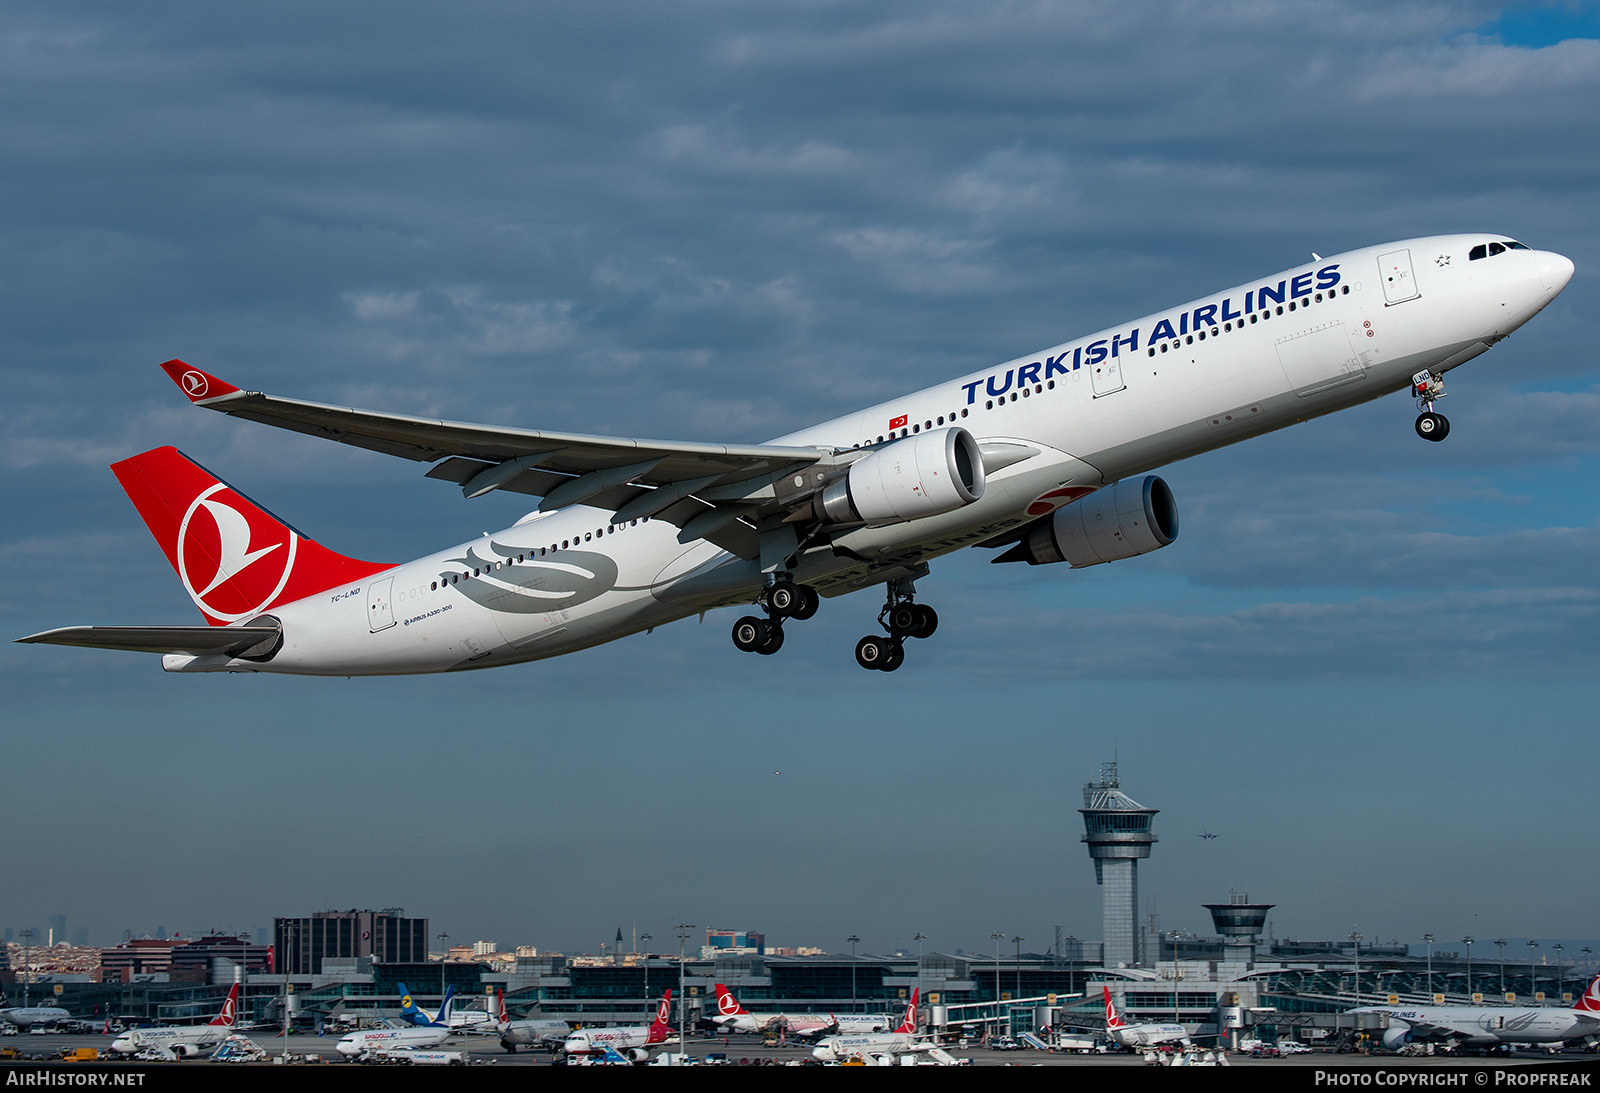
(623,1038)
(1148,1035)
(873,1043)
(22,1016)
(199,1036)
(1491,1025)
(795,1024)
(383,1039)
(1228,366)
(533,1031)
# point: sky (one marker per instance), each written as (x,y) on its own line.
(1368,664)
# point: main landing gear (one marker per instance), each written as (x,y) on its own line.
(782,599)
(902,619)
(1425,387)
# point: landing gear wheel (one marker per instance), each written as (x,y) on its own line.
(896,657)
(872,651)
(1432,426)
(902,619)
(927,622)
(784,598)
(774,640)
(750,633)
(809,602)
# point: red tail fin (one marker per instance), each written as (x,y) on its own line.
(661,1027)
(910,1023)
(727,1004)
(1112,1020)
(1590,1002)
(230,1009)
(235,558)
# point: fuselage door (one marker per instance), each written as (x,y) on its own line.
(1399,282)
(380,608)
(1106,377)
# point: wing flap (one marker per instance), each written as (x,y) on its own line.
(194,640)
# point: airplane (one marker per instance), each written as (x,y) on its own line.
(23,1016)
(731,1016)
(901,1039)
(1206,835)
(432,1034)
(1135,1036)
(1046,456)
(628,1039)
(1492,1026)
(182,1041)
(528,1031)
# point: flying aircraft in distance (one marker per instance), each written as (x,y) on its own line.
(631,1040)
(731,1016)
(182,1041)
(1044,458)
(528,1031)
(1491,1026)
(1140,1035)
(1206,835)
(432,1034)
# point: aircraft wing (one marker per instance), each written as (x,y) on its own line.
(195,640)
(705,489)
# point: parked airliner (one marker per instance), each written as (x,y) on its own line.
(432,1034)
(181,1041)
(731,1016)
(1046,456)
(1141,1035)
(528,1031)
(903,1038)
(631,1040)
(1492,1026)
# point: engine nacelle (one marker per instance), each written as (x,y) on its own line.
(923,475)
(1396,1036)
(185,1051)
(1133,517)
(636,1055)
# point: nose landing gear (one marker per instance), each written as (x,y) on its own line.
(1425,388)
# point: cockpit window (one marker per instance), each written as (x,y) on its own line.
(1489,250)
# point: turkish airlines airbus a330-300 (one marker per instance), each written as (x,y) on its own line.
(1045,456)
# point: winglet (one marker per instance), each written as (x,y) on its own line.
(197,385)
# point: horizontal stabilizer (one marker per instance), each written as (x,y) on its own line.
(195,640)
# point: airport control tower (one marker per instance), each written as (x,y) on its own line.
(1117,829)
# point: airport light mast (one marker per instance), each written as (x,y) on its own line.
(1118,831)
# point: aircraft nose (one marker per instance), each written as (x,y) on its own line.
(1555,271)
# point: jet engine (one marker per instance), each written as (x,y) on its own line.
(1395,1037)
(923,475)
(1135,516)
(185,1051)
